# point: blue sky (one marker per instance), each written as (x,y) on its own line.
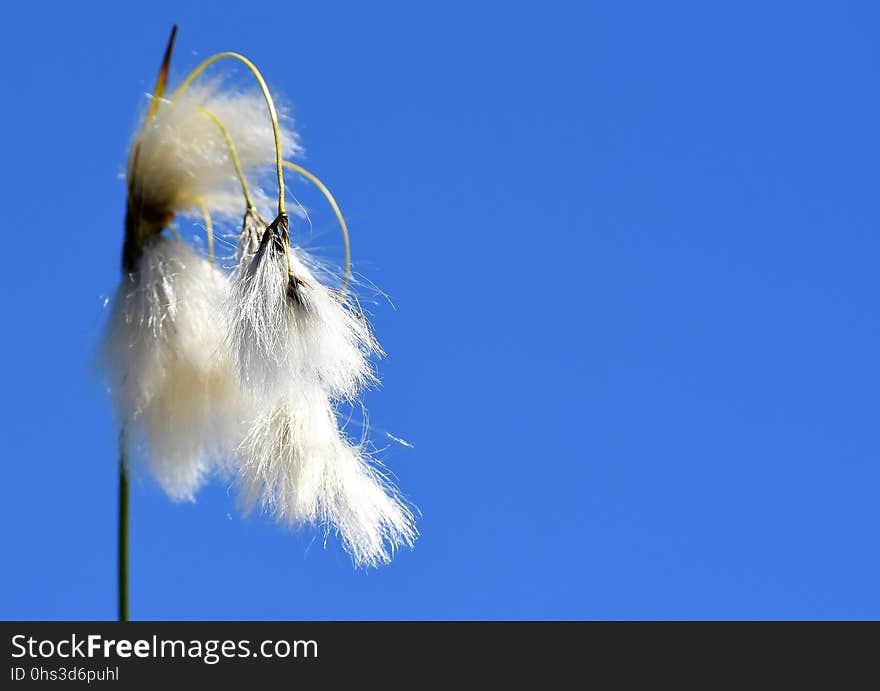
(633,251)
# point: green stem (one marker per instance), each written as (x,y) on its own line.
(123,534)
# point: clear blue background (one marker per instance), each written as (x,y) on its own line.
(633,249)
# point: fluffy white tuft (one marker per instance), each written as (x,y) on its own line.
(168,366)
(286,328)
(181,155)
(301,468)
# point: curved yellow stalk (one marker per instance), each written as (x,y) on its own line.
(276,131)
(209,229)
(321,186)
(233,154)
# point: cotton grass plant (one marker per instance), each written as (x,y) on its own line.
(238,371)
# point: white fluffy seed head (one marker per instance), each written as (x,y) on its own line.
(301,469)
(181,156)
(168,366)
(287,329)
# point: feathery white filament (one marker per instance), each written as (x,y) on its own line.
(286,328)
(168,365)
(299,466)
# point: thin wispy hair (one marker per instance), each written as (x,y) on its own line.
(301,468)
(168,365)
(287,328)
